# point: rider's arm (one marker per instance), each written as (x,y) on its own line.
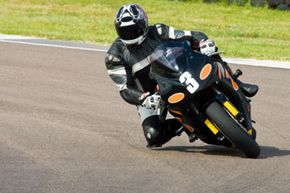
(194,37)
(167,32)
(120,73)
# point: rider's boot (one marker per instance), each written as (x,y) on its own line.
(247,89)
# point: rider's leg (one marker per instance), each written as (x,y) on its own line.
(157,131)
(249,90)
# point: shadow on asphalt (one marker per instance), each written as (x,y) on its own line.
(270,151)
(209,149)
(266,151)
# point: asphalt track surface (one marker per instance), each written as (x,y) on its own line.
(65,129)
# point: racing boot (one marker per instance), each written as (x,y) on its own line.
(248,90)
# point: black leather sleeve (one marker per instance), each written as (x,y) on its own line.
(131,94)
(167,32)
(120,73)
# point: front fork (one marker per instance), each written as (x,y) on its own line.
(242,111)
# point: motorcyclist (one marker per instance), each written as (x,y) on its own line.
(127,63)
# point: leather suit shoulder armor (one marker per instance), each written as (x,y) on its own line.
(167,32)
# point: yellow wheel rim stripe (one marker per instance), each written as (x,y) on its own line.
(211,126)
(231,108)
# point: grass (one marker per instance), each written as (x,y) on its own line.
(246,32)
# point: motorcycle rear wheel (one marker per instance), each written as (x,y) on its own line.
(232,130)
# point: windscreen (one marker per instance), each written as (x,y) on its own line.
(170,58)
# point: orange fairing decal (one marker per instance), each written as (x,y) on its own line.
(205,71)
(235,85)
(175,98)
(228,74)
(175,112)
(219,72)
(188,127)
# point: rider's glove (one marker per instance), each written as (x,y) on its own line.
(207,47)
(152,101)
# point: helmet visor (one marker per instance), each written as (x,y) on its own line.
(130,32)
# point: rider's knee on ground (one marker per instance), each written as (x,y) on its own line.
(152,131)
(158,133)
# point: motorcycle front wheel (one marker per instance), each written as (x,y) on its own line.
(232,130)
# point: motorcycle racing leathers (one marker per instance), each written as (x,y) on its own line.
(129,68)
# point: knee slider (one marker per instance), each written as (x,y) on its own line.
(156,133)
(152,135)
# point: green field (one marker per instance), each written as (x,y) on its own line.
(246,32)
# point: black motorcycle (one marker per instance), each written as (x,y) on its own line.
(200,93)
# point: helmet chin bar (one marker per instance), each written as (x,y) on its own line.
(136,41)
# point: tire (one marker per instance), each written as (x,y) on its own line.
(232,130)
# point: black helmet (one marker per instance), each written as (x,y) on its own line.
(131,24)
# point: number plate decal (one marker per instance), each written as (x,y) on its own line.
(190,82)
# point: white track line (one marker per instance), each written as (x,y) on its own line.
(261,63)
(53,45)
(14,39)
